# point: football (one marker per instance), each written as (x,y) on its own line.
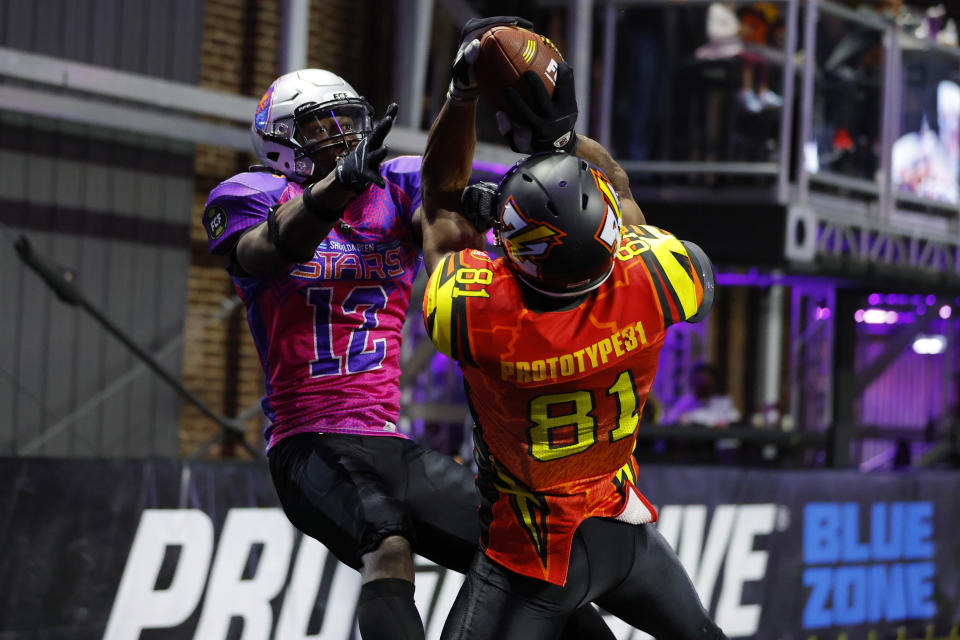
(505,54)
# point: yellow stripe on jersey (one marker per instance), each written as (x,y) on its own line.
(438,306)
(451,285)
(669,252)
(624,474)
(529,507)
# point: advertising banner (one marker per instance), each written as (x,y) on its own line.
(155,549)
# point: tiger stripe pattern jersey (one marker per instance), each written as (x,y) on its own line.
(557,396)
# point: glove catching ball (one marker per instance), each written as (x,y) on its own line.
(506,53)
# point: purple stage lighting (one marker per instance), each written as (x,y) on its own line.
(876,316)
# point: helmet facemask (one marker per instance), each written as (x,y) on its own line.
(325,132)
(290,117)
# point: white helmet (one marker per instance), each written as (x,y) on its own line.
(304,112)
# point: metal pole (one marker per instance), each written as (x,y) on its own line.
(579,32)
(772,342)
(806,109)
(786,117)
(410,59)
(890,120)
(61,281)
(797,370)
(609,65)
(827,368)
(296,33)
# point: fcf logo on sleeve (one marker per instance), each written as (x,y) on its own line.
(215,222)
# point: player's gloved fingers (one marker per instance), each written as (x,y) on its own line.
(372,174)
(521,140)
(391,110)
(523,22)
(472,50)
(462,66)
(376,179)
(523,114)
(541,98)
(475,27)
(376,156)
(565,93)
(504,123)
(383,128)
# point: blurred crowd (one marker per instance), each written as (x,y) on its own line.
(718,71)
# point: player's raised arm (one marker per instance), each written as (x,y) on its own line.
(592,151)
(545,122)
(447,161)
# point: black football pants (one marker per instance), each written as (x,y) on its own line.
(629,570)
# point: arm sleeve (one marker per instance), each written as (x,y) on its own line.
(404,172)
(233,208)
(702,270)
(682,275)
(445,308)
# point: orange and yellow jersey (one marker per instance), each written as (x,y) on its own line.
(556,396)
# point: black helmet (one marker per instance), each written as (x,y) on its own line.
(558,220)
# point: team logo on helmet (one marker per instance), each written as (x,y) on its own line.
(609,231)
(262,114)
(527,241)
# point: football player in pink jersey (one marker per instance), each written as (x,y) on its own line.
(323,244)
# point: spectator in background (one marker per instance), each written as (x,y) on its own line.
(730,36)
(703,404)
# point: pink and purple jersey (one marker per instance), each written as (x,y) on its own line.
(328,332)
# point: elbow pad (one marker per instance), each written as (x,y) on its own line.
(273,235)
(703,268)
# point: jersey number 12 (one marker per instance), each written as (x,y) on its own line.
(368,300)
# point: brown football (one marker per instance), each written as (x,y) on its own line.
(505,54)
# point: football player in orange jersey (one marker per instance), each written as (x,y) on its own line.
(558,342)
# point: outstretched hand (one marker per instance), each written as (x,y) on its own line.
(547,123)
(361,167)
(463,87)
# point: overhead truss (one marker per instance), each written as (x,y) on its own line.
(853,241)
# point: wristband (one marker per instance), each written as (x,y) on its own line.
(312,204)
(273,235)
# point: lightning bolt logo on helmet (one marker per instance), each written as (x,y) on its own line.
(526,241)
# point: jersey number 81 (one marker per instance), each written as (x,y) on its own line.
(543,436)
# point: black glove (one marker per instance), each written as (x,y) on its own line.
(478,205)
(547,124)
(361,167)
(462,86)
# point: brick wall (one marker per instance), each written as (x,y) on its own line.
(240,54)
